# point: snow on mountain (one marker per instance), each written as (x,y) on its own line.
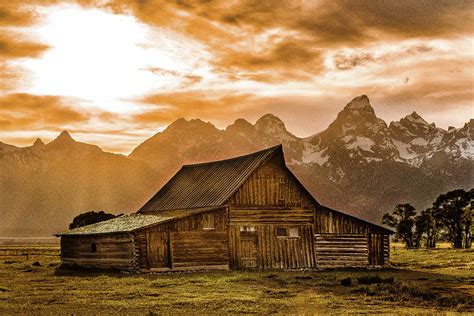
(457,143)
(414,138)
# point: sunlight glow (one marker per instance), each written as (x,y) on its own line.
(103,58)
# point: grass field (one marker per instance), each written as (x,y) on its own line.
(420,282)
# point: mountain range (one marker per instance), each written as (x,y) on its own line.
(359,164)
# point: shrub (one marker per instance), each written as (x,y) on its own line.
(374,280)
(346,282)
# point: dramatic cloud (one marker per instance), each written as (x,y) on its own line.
(11,47)
(137,65)
(346,61)
(20,111)
(164,108)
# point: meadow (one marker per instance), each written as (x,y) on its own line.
(419,282)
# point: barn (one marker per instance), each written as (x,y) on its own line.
(245,212)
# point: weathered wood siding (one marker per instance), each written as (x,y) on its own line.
(199,248)
(329,222)
(271,198)
(185,242)
(271,185)
(115,251)
(378,249)
(341,250)
(242,216)
(272,252)
(386,248)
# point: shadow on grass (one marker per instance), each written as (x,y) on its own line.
(388,285)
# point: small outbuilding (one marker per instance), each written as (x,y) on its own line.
(245,212)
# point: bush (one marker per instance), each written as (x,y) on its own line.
(374,280)
(91,217)
(346,282)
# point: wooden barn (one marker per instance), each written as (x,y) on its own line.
(244,212)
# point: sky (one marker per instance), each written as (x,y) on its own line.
(115,72)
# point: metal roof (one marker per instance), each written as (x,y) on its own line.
(194,189)
(207,184)
(132,222)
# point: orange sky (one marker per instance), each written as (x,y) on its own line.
(115,72)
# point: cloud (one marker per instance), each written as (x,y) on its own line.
(14,44)
(347,61)
(306,29)
(12,47)
(20,111)
(12,15)
(300,59)
(164,108)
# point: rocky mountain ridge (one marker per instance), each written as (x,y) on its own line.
(359,164)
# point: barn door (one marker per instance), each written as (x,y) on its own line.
(158,255)
(248,249)
(376,250)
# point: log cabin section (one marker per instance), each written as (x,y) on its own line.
(248,212)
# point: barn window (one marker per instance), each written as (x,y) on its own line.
(247,228)
(247,231)
(281,232)
(94,247)
(291,232)
(208,221)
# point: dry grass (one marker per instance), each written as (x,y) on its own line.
(423,282)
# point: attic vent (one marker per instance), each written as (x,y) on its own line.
(94,247)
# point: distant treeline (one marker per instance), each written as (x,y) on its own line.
(450,219)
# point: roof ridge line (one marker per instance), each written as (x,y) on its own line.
(236,157)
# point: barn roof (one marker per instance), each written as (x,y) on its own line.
(132,222)
(206,184)
(193,189)
(211,184)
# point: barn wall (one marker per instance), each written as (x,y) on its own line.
(271,185)
(329,222)
(112,251)
(263,248)
(184,242)
(338,226)
(270,251)
(341,250)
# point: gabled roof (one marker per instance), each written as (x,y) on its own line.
(211,184)
(132,222)
(207,184)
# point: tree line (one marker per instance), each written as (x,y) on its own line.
(450,218)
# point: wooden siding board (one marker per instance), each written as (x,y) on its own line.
(111,251)
(271,184)
(341,250)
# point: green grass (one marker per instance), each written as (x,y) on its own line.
(424,281)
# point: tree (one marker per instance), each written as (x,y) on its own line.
(90,218)
(454,210)
(427,225)
(403,220)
